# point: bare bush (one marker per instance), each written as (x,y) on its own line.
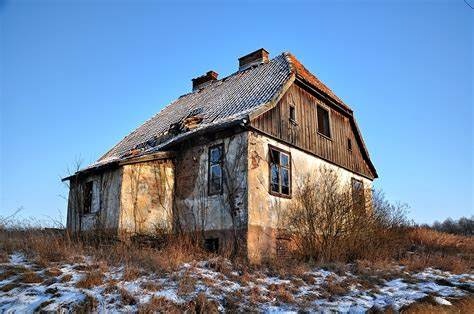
(330,221)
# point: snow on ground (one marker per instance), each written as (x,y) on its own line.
(53,289)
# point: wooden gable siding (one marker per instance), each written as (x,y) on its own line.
(304,133)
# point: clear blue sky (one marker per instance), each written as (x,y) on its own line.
(77,76)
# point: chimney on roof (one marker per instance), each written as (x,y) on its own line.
(253,58)
(204,80)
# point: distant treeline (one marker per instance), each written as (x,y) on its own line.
(462,226)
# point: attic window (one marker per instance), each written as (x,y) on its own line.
(323,121)
(349,144)
(215,169)
(292,114)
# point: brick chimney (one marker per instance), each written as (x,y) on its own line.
(204,80)
(253,58)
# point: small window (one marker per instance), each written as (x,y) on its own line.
(292,114)
(323,121)
(88,190)
(358,193)
(211,245)
(215,169)
(349,144)
(280,172)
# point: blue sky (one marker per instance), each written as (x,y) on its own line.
(77,76)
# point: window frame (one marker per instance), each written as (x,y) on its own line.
(328,110)
(209,166)
(289,167)
(291,109)
(353,180)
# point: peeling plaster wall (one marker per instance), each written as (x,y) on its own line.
(263,218)
(146,199)
(198,211)
(105,207)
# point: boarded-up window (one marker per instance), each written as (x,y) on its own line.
(215,169)
(323,121)
(280,172)
(88,190)
(358,193)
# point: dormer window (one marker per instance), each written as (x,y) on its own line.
(324,127)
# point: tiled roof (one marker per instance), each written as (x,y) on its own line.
(230,98)
(219,103)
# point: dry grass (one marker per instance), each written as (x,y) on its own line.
(66,278)
(31,277)
(131,273)
(159,305)
(127,297)
(440,250)
(10,286)
(454,264)
(53,272)
(428,305)
(201,304)
(88,305)
(47,248)
(91,279)
(432,240)
(10,271)
(151,286)
(187,284)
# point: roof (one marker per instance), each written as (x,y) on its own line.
(222,102)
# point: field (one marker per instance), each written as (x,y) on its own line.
(46,271)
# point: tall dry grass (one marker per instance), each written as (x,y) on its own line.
(46,247)
(430,248)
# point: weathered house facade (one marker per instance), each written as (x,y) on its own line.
(216,159)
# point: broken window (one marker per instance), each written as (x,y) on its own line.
(323,121)
(280,172)
(88,190)
(215,169)
(358,193)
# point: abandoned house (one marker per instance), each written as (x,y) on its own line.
(216,159)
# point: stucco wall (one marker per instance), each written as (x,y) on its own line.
(105,207)
(198,210)
(263,216)
(146,198)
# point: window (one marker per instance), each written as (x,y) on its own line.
(215,169)
(280,172)
(211,245)
(292,114)
(88,190)
(323,121)
(349,144)
(358,193)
